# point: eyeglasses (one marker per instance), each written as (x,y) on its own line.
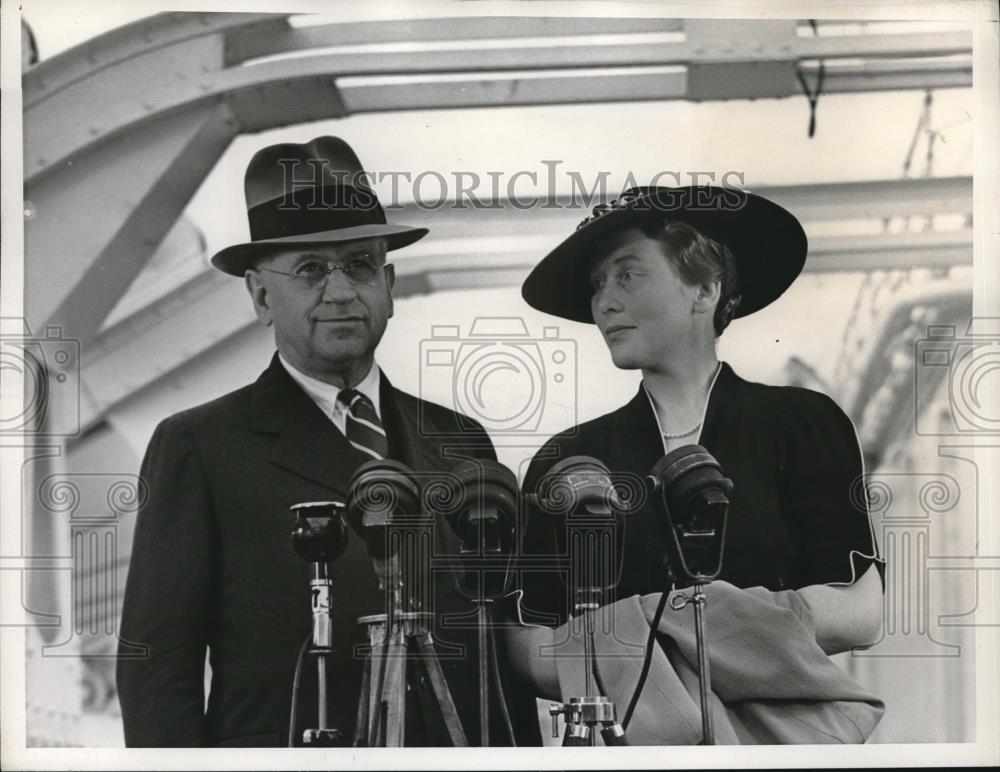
(314,273)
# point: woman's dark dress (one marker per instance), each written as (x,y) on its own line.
(797,517)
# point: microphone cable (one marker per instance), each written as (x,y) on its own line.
(293,714)
(647,659)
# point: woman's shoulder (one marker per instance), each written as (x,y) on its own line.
(794,403)
(593,437)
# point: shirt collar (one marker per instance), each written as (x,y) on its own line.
(325,394)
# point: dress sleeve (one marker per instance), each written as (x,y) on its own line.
(822,490)
(167,598)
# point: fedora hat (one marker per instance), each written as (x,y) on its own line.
(767,242)
(312,193)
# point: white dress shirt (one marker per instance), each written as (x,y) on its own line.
(325,394)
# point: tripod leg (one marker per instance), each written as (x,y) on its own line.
(393,695)
(452,723)
(614,734)
(376,712)
(360,738)
(577,735)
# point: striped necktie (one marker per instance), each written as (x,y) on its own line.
(363,428)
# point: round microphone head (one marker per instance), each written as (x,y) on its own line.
(381,492)
(578,485)
(320,533)
(489,481)
(689,472)
(480,502)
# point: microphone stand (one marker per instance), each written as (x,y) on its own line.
(488,666)
(700,601)
(321,586)
(579,489)
(319,537)
(695,497)
(483,520)
(408,654)
(583,714)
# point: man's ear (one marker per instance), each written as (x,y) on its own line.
(707,297)
(258,294)
(390,282)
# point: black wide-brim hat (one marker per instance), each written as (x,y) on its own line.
(767,242)
(308,195)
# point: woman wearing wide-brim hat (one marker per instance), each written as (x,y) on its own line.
(662,272)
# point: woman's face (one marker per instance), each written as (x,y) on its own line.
(643,308)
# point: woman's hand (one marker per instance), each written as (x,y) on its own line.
(523,645)
(846,617)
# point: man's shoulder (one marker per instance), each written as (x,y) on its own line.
(232,407)
(436,417)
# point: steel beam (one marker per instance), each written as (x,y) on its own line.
(370,95)
(721,61)
(134,41)
(250,46)
(94,225)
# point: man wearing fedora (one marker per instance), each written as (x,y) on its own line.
(213,568)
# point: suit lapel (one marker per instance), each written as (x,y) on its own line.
(402,426)
(308,444)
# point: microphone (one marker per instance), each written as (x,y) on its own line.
(483,513)
(486,496)
(695,497)
(578,493)
(381,494)
(319,537)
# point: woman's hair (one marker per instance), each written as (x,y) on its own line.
(698,259)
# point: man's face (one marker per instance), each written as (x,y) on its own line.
(640,303)
(329,330)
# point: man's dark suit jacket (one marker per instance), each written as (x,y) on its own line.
(213,566)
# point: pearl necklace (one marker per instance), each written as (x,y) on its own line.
(690,431)
(697,426)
